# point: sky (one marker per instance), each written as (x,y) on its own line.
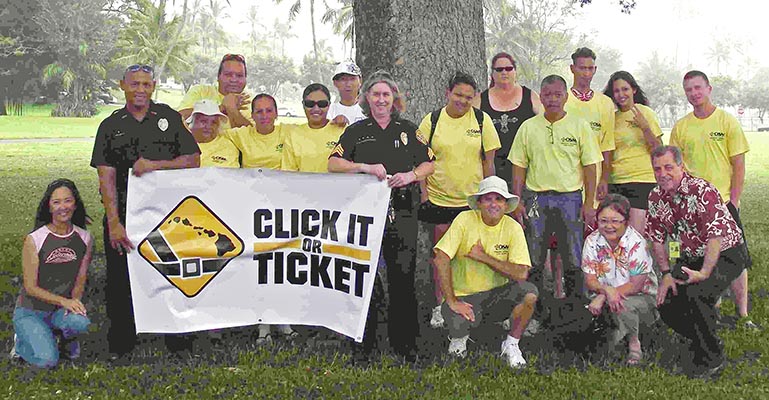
(681,31)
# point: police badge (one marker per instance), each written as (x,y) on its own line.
(163,124)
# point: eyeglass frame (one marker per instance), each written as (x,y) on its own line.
(139,67)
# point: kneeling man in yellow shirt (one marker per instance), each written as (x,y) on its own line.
(483,263)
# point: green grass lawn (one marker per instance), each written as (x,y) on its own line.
(238,370)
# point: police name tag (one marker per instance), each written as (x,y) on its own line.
(674,249)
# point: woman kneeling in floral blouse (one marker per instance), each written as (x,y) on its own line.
(618,269)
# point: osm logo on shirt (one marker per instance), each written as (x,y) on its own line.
(219,159)
(473,133)
(717,136)
(190,246)
(596,126)
(501,248)
(279,148)
(568,141)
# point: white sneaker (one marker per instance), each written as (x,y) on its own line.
(513,354)
(458,346)
(13,355)
(436,321)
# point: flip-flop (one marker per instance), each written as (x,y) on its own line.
(634,357)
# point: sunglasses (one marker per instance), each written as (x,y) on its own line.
(319,103)
(137,67)
(236,57)
(500,69)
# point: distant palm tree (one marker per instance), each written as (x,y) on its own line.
(342,21)
(294,11)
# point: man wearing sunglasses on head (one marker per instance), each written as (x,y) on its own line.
(228,93)
(143,136)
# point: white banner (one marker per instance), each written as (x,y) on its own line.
(220,248)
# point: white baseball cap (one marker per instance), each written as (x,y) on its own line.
(346,67)
(494,184)
(205,107)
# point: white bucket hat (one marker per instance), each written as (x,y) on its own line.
(346,67)
(205,107)
(493,184)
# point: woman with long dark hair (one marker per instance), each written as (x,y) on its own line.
(55,259)
(636,134)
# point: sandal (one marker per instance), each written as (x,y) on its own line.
(634,357)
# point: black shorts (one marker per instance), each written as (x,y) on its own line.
(433,214)
(637,193)
(736,215)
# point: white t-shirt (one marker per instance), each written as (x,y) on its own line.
(353,113)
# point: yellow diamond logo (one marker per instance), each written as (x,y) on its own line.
(190,246)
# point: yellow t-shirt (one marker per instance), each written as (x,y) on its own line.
(599,113)
(504,241)
(259,151)
(554,154)
(707,146)
(631,162)
(306,149)
(456,143)
(219,152)
(210,92)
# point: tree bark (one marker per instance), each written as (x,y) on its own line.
(421,43)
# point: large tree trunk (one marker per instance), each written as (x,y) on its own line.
(421,43)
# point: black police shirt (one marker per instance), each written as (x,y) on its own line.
(400,147)
(121,140)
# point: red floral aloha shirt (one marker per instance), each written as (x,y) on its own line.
(690,216)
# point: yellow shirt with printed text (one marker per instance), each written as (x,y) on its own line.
(258,150)
(599,113)
(631,162)
(504,241)
(707,146)
(219,152)
(456,143)
(554,153)
(306,149)
(211,92)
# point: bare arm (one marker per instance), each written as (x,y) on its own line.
(712,253)
(115,229)
(602,189)
(488,163)
(79,287)
(30,269)
(738,179)
(513,271)
(588,212)
(143,165)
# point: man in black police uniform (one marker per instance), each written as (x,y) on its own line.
(145,136)
(385,145)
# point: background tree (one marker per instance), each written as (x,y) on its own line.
(280,33)
(661,81)
(422,44)
(319,70)
(292,13)
(726,90)
(151,38)
(343,23)
(754,93)
(81,38)
(535,32)
(267,73)
(22,55)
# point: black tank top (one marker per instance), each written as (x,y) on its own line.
(508,122)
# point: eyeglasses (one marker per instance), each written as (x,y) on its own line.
(319,103)
(236,57)
(604,221)
(500,69)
